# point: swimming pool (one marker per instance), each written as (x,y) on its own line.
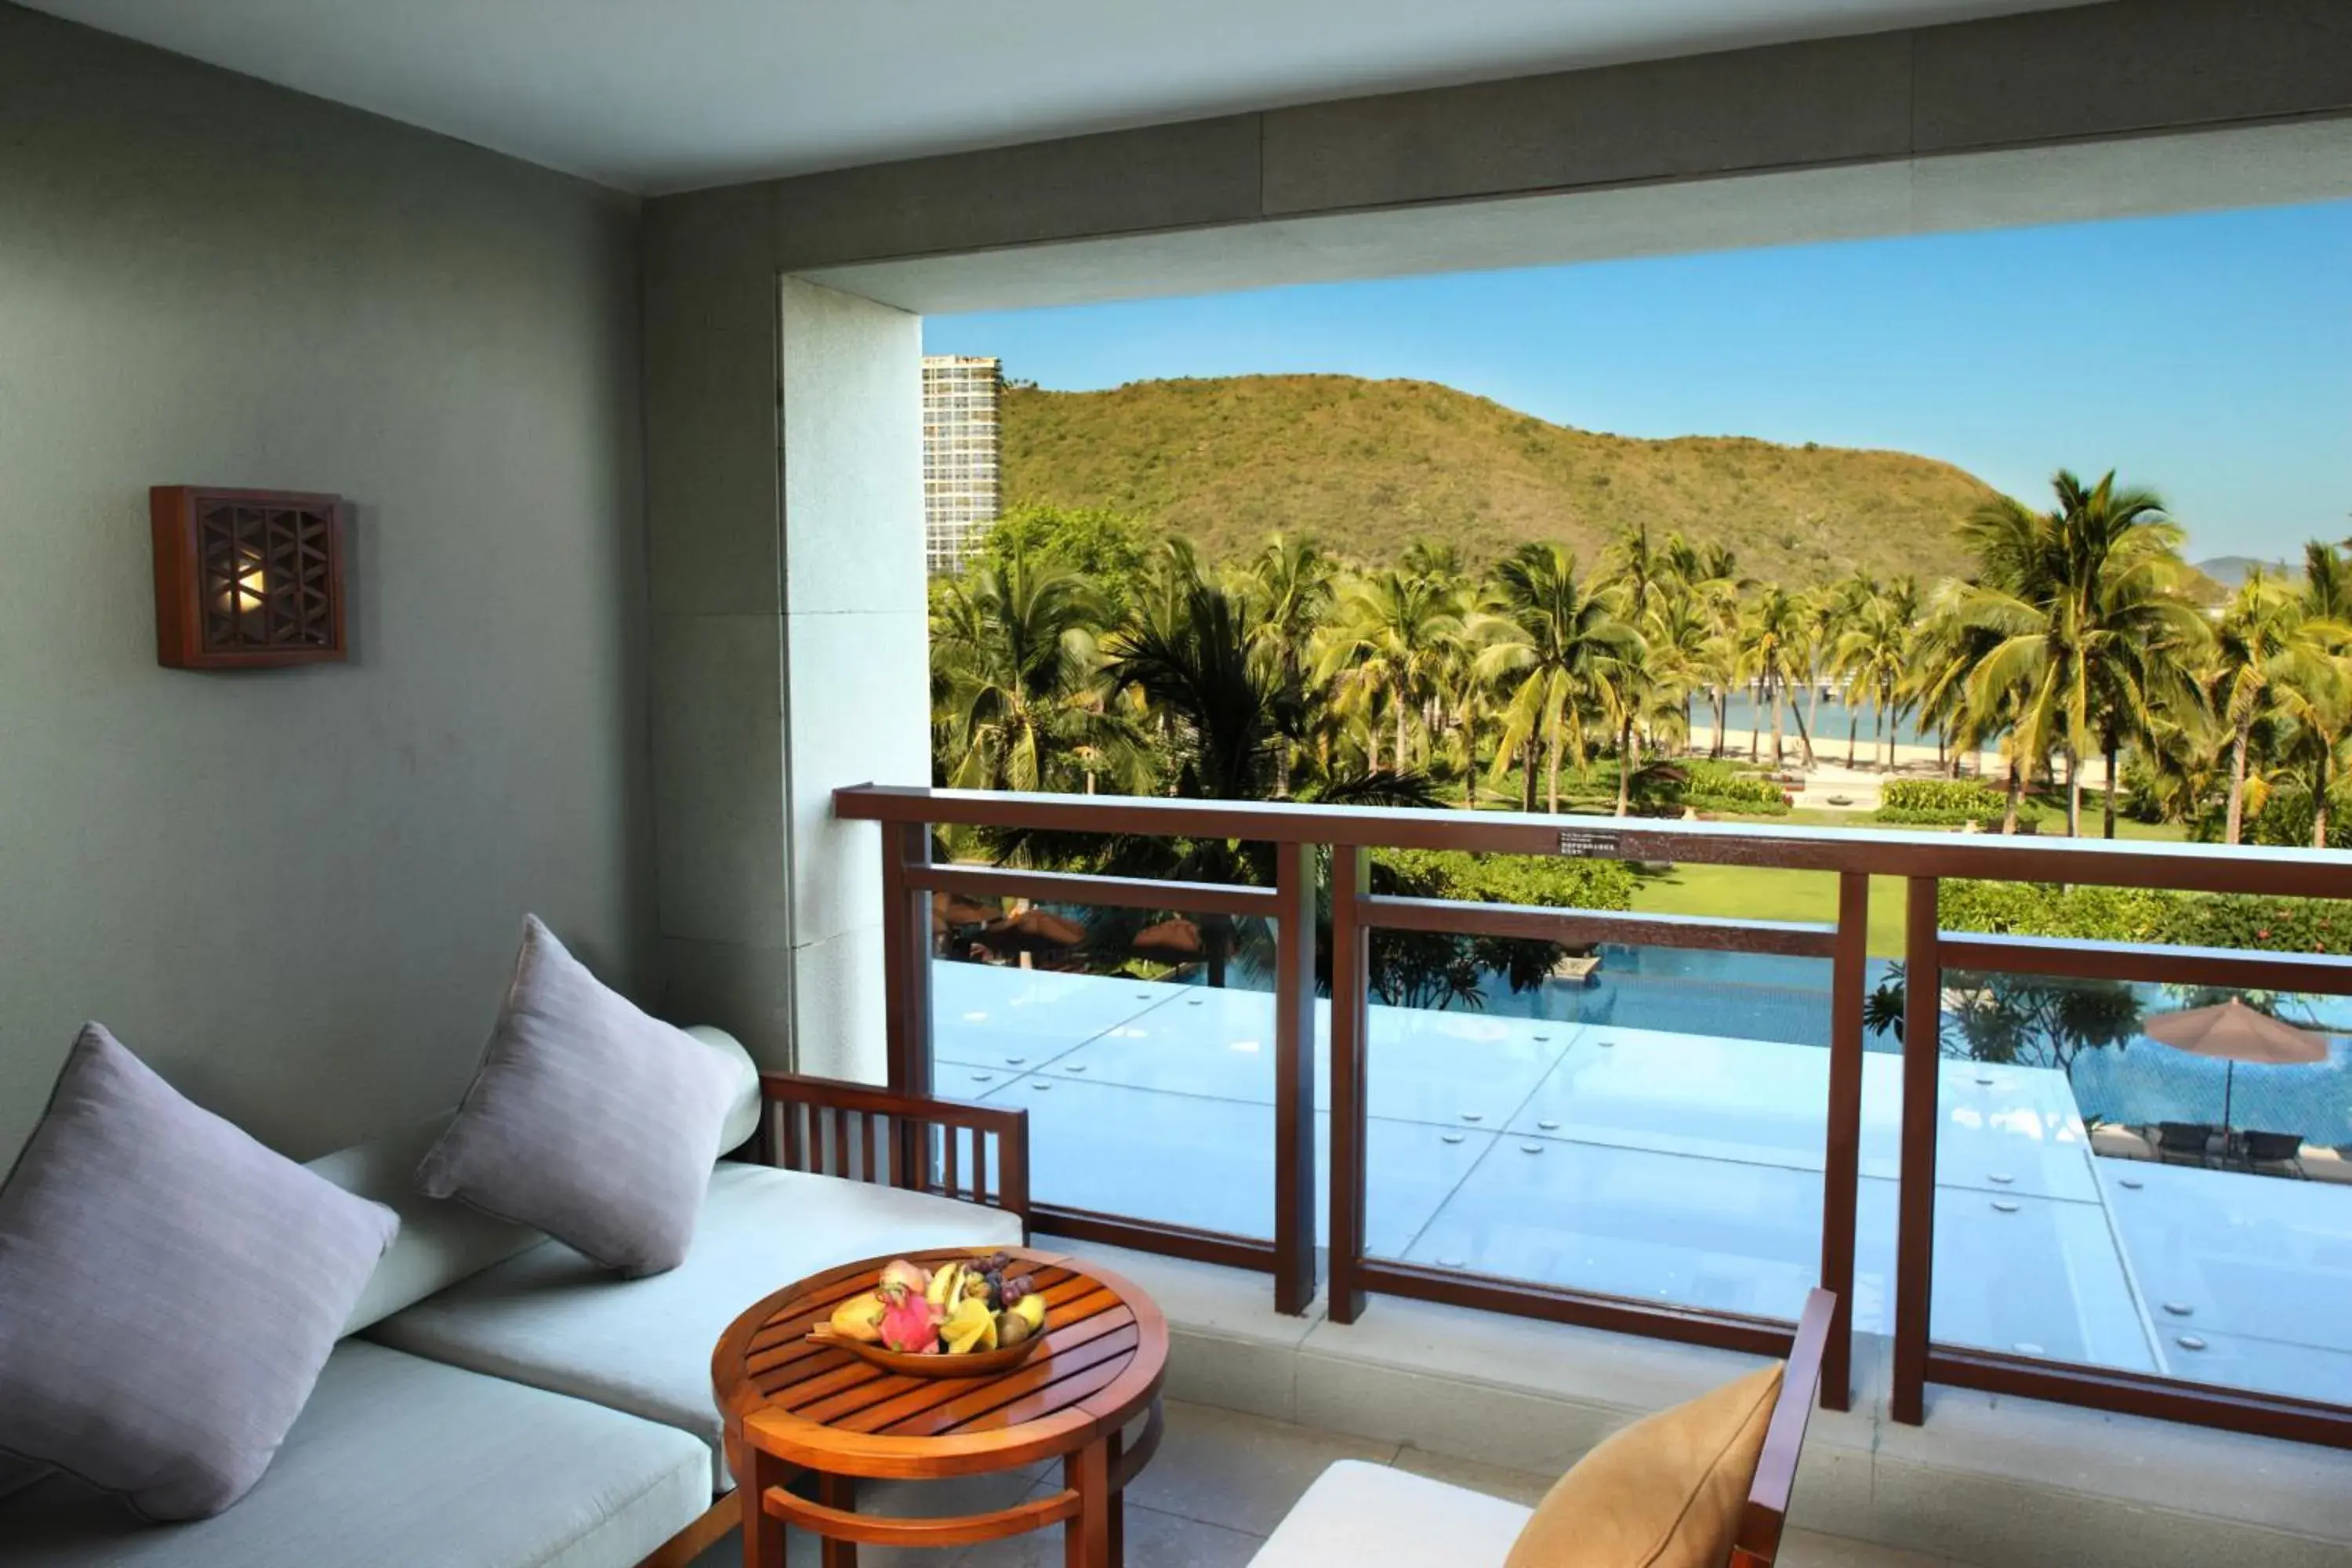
(1767,997)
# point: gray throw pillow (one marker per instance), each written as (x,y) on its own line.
(169,1288)
(588,1119)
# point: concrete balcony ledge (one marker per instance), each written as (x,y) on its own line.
(1988,1480)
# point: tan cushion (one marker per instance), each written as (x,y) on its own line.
(1667,1492)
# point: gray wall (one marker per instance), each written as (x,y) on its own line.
(784,486)
(297,892)
(2092,73)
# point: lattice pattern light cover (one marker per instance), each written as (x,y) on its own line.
(246,578)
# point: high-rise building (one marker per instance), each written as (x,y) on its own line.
(960,394)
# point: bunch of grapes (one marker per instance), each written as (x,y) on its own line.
(1003,1291)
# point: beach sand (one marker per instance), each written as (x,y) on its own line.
(1857,788)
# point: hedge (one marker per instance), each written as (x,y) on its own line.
(1717,786)
(2028,817)
(1946,803)
(1510,879)
(2147,915)
(1970,797)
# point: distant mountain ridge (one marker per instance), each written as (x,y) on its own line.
(2228,570)
(1366,466)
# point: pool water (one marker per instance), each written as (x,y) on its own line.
(1767,998)
(1763,996)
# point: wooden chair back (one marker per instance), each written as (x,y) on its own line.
(1758,1542)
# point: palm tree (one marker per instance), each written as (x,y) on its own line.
(2269,654)
(1774,640)
(1873,657)
(1228,711)
(2324,715)
(1681,635)
(1642,582)
(1390,637)
(1552,641)
(2073,595)
(1289,590)
(1629,690)
(1853,597)
(1710,576)
(1013,677)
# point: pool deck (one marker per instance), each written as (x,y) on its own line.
(1674,1167)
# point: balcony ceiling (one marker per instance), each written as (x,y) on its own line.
(659,95)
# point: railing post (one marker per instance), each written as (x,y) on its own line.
(1915,1240)
(1294,1088)
(1351,986)
(1841,1153)
(907,989)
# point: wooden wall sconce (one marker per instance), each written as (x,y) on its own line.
(246,579)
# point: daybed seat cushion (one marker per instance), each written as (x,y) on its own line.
(398,1462)
(1374,1516)
(553,1318)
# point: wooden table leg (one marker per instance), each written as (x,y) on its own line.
(1114,1504)
(841,1492)
(763,1533)
(1086,1539)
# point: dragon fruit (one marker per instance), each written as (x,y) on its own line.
(910,1325)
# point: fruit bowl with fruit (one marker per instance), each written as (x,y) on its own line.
(966,1318)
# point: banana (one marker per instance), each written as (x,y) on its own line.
(859,1318)
(947,1285)
(971,1327)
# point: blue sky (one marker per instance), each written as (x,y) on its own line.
(2208,356)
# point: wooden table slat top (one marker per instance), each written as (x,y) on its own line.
(817,1405)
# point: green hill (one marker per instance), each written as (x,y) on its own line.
(1369,465)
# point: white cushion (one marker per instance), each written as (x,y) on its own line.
(441,1240)
(399,1463)
(553,1318)
(743,1109)
(1376,1516)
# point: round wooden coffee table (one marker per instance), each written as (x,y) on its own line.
(792,1405)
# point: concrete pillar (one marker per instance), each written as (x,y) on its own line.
(784,431)
(856,646)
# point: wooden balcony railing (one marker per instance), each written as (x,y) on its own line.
(1302,834)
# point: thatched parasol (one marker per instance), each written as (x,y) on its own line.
(1170,941)
(950,911)
(2234,1033)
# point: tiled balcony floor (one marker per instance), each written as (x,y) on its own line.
(1219,1484)
(1677,1167)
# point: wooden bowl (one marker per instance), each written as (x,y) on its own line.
(976,1363)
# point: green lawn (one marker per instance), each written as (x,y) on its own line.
(1749,892)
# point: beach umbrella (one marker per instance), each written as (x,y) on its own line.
(2234,1033)
(1169,942)
(1032,930)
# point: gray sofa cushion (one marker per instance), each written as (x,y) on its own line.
(555,1318)
(588,1119)
(400,1463)
(441,1240)
(169,1288)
